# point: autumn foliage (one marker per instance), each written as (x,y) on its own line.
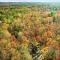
(29,34)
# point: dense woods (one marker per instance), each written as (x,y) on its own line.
(30,32)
